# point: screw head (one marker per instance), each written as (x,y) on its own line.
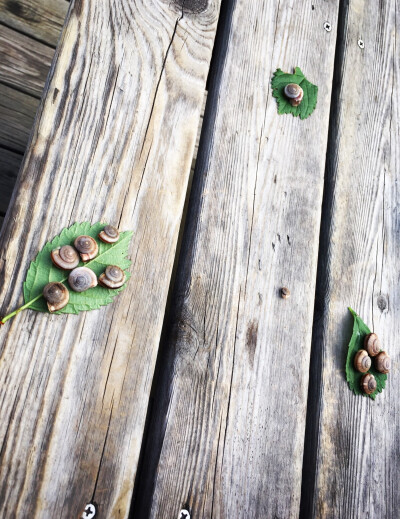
(285,293)
(327,27)
(89,512)
(361,44)
(184,514)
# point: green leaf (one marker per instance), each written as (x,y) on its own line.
(309,101)
(42,270)
(360,330)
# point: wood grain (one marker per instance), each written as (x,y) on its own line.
(24,62)
(10,163)
(41,19)
(357,439)
(113,141)
(17,113)
(227,428)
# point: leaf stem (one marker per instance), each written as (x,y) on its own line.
(18,310)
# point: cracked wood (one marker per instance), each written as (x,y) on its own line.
(113,141)
(227,429)
(353,448)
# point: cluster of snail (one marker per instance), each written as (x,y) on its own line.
(363,362)
(80,279)
(294,93)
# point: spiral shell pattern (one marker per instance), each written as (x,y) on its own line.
(372,344)
(362,361)
(56,295)
(368,383)
(382,362)
(113,277)
(294,93)
(81,279)
(109,234)
(65,257)
(87,247)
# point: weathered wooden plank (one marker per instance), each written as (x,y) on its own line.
(227,430)
(113,141)
(357,462)
(10,163)
(42,19)
(24,62)
(17,112)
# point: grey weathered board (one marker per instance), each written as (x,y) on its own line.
(356,446)
(118,119)
(24,62)
(9,166)
(227,428)
(17,112)
(40,19)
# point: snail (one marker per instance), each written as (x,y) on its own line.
(65,257)
(368,383)
(109,234)
(113,277)
(362,361)
(56,295)
(294,93)
(382,362)
(372,344)
(87,247)
(285,293)
(81,279)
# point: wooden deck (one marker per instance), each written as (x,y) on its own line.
(200,388)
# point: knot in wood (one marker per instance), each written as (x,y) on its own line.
(191,6)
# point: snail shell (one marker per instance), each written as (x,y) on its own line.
(87,247)
(372,344)
(382,362)
(368,383)
(109,234)
(82,279)
(56,295)
(294,93)
(362,361)
(113,277)
(65,257)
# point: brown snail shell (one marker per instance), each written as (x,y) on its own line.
(368,383)
(382,362)
(65,257)
(294,93)
(87,247)
(113,277)
(109,234)
(56,295)
(362,361)
(372,344)
(81,279)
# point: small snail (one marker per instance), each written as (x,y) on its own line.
(382,362)
(372,344)
(285,293)
(368,383)
(109,234)
(113,277)
(82,279)
(87,247)
(65,257)
(56,295)
(362,361)
(294,93)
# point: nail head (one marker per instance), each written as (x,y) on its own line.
(285,293)
(327,27)
(361,44)
(89,512)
